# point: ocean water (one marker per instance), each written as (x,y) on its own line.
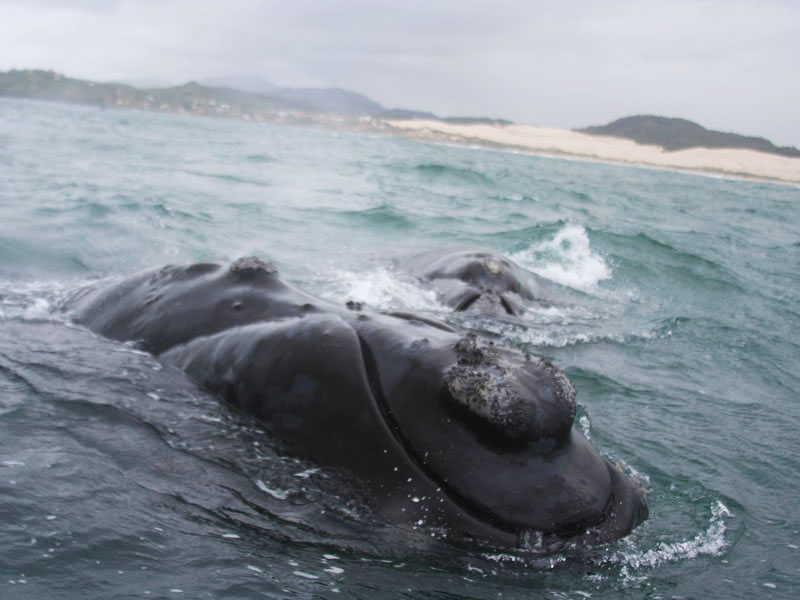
(673,303)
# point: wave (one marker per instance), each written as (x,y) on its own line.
(260,158)
(384,216)
(566,259)
(710,542)
(37,301)
(440,171)
(382,289)
(624,564)
(532,233)
(557,328)
(658,259)
(512,198)
(229,178)
(23,259)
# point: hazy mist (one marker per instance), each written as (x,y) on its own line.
(729,65)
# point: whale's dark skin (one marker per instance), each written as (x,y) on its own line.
(475,280)
(441,427)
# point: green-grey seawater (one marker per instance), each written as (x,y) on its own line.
(673,303)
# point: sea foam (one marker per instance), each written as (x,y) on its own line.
(381,288)
(566,259)
(710,542)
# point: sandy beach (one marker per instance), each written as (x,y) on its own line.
(544,140)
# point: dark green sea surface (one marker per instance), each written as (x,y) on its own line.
(673,305)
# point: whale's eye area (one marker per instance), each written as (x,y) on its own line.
(237,306)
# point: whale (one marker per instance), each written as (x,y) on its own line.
(444,429)
(476,281)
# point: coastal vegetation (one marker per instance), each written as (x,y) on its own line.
(680,134)
(294,105)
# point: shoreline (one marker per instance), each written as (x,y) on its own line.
(720,162)
(728,163)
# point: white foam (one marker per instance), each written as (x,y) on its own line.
(570,331)
(567,259)
(33,301)
(39,309)
(585,427)
(636,474)
(710,542)
(307,473)
(277,494)
(380,288)
(305,575)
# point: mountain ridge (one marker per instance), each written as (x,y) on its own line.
(674,134)
(215,97)
(258,99)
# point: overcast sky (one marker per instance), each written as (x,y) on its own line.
(727,64)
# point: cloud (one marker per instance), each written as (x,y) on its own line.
(729,65)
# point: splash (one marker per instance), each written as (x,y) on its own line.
(629,566)
(567,259)
(275,493)
(555,327)
(710,542)
(382,289)
(33,301)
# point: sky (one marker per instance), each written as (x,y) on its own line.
(731,65)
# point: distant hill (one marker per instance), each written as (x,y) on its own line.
(191,98)
(680,134)
(402,113)
(324,100)
(146,84)
(333,100)
(243,97)
(252,85)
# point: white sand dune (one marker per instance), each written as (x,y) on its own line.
(721,161)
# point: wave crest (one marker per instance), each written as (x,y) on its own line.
(566,259)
